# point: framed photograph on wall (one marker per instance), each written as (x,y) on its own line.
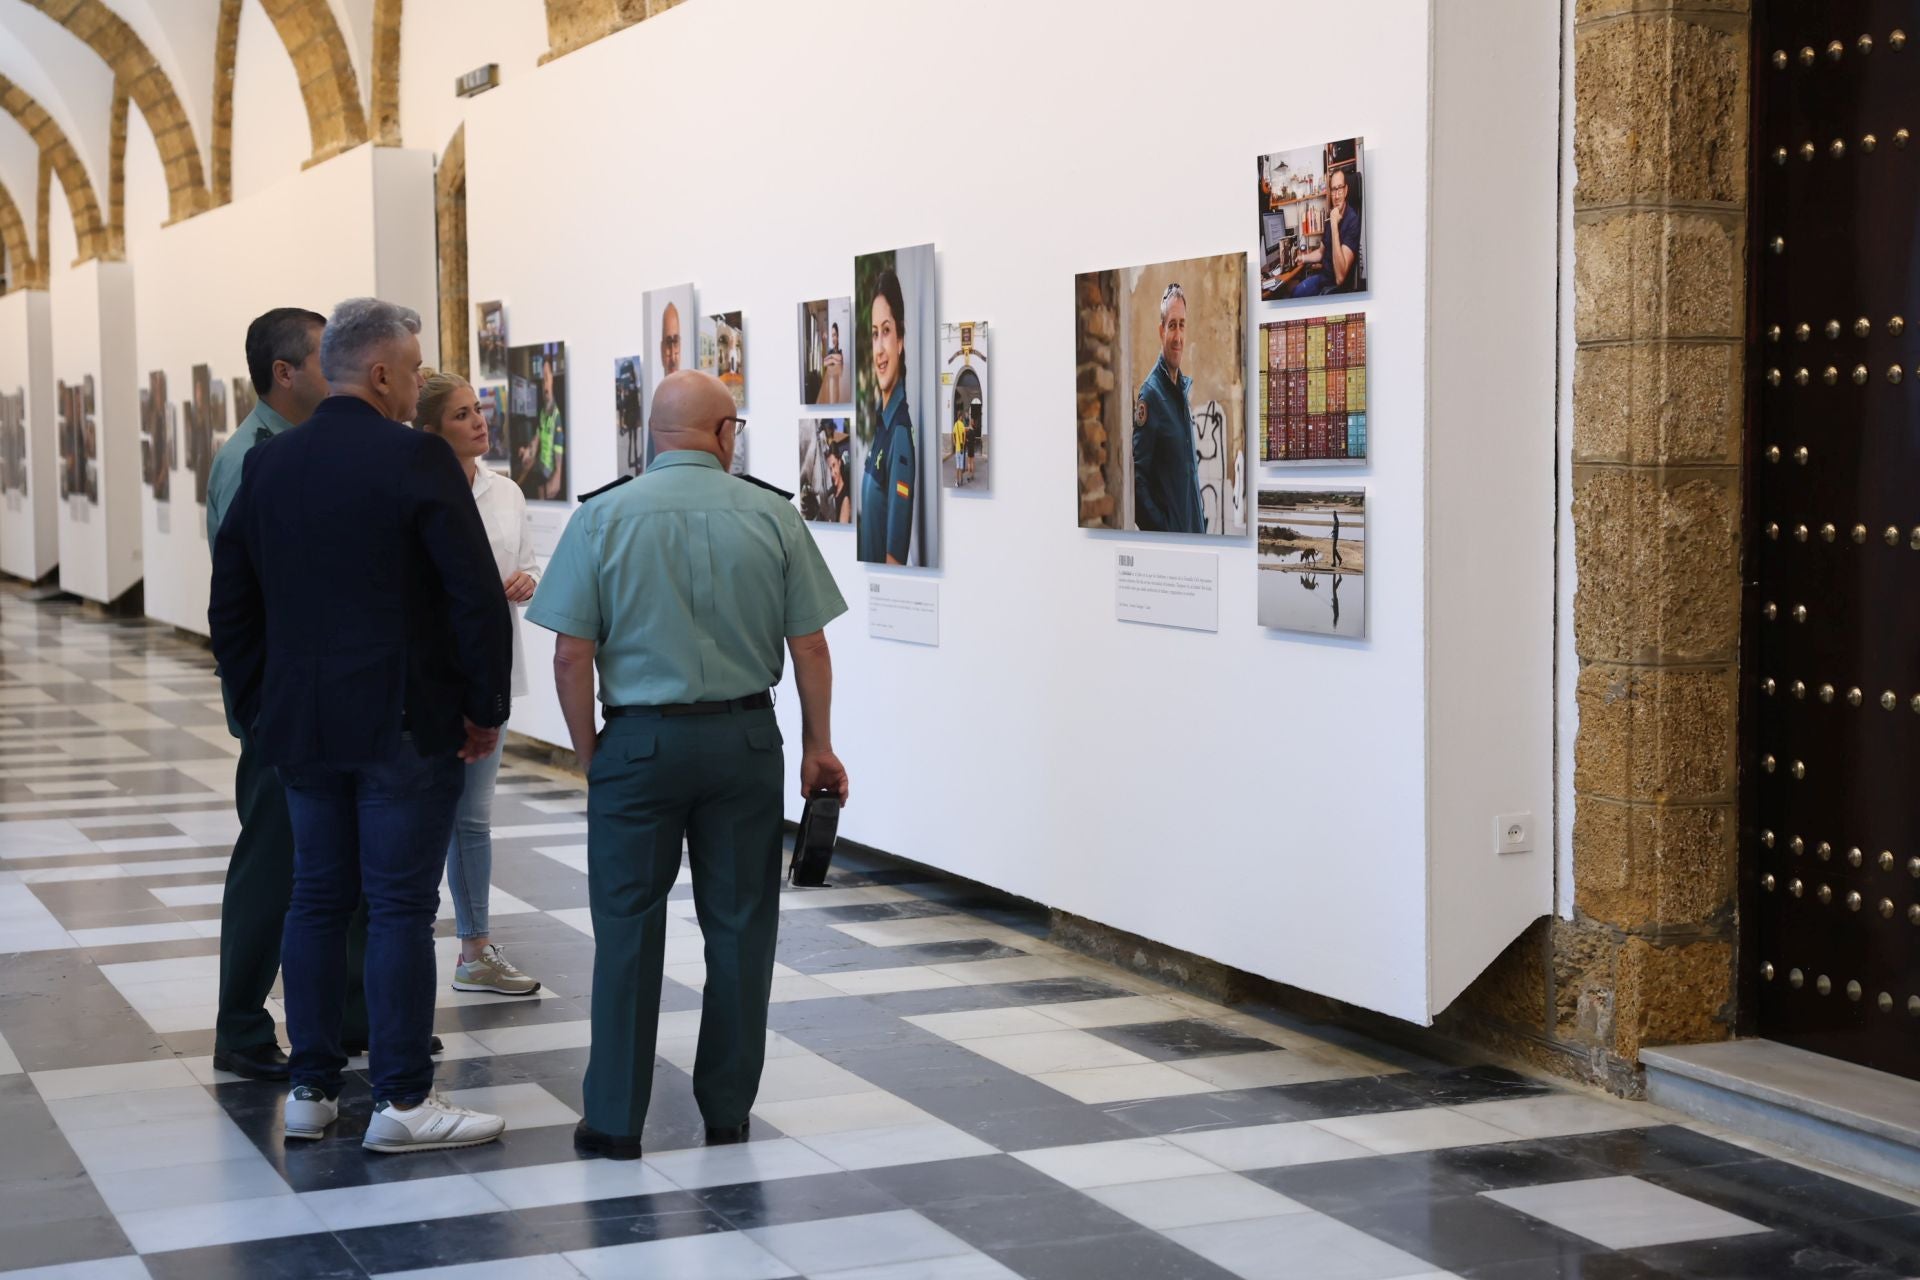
(537,421)
(1162,403)
(672,330)
(1313,390)
(1312,561)
(629,407)
(896,512)
(964,420)
(826,339)
(490,330)
(723,352)
(826,471)
(493,411)
(1312,222)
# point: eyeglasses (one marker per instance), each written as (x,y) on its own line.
(739,424)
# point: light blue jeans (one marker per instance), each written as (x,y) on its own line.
(470,852)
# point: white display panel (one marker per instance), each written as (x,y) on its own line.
(29,528)
(1138,775)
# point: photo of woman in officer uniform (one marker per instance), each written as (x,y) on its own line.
(896,466)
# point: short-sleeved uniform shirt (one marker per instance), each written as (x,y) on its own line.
(690,581)
(223,477)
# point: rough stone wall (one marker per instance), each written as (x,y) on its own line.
(226,47)
(58,158)
(23,271)
(572,24)
(1660,144)
(117,172)
(386,73)
(450,219)
(141,77)
(1097,339)
(336,121)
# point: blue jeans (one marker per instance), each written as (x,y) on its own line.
(379,829)
(470,853)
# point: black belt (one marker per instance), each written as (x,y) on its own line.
(752,702)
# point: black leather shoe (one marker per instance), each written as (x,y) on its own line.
(592,1142)
(355,1050)
(261,1062)
(727,1134)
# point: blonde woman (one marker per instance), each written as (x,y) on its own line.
(450,409)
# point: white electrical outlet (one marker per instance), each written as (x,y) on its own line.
(1513,833)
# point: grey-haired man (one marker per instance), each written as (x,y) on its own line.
(367,648)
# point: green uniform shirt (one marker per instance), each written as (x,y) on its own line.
(689,580)
(223,477)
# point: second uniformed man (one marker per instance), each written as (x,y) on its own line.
(681,586)
(1166,470)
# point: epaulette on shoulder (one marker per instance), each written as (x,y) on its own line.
(757,481)
(589,497)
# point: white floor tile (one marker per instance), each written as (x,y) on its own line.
(1430,1129)
(9,1063)
(899,1144)
(978,1024)
(799,986)
(966,1266)
(1259,1070)
(190,895)
(580,918)
(545,1266)
(147,844)
(1044,1052)
(1012,969)
(522,1106)
(1296,1245)
(1269,1146)
(165,931)
(144,1106)
(1119,1011)
(868,982)
(1166,1203)
(744,1162)
(567,855)
(791,1079)
(120,1077)
(867,1240)
(228,1222)
(1106,1164)
(1124,1084)
(168,1187)
(874,1109)
(26,924)
(808,899)
(1624,1213)
(728,1256)
(161,1144)
(918,929)
(535,1037)
(572,1182)
(344,1208)
(1556,1115)
(78,787)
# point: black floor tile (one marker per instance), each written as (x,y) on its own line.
(1059,1219)
(1461,1085)
(1775,1256)
(767,1204)
(1464,1231)
(974,1178)
(310,1257)
(655,1205)
(603,1231)
(1141,1255)
(1183,1039)
(408,1246)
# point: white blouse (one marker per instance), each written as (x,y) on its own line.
(503,510)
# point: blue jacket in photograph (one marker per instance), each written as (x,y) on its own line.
(1166,473)
(355,596)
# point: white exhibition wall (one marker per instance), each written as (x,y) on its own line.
(92,313)
(1306,809)
(29,523)
(361,223)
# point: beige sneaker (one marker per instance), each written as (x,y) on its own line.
(492,971)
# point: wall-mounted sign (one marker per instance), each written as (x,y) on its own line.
(478,80)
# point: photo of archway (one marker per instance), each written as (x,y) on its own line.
(1312,222)
(964,421)
(536,420)
(723,352)
(1162,399)
(826,337)
(1313,561)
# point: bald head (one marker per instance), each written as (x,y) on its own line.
(689,408)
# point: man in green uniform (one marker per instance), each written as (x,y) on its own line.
(283,360)
(681,585)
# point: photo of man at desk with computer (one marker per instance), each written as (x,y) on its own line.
(1312,222)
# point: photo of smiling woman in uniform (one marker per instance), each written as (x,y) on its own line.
(896,377)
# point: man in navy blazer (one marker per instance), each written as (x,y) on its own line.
(367,647)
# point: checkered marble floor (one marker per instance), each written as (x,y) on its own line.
(947,1095)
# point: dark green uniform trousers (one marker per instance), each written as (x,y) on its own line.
(716,781)
(254,907)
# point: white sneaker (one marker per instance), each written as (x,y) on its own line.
(309,1112)
(434,1125)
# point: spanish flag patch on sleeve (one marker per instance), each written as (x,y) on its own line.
(900,487)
